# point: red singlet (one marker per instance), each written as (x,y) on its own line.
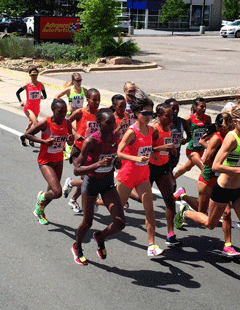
(33,98)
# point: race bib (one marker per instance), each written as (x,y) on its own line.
(144,151)
(123,129)
(34,95)
(167,140)
(176,138)
(108,168)
(58,144)
(130,113)
(91,128)
(197,135)
(77,101)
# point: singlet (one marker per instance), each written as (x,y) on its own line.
(233,159)
(197,128)
(106,149)
(86,126)
(124,128)
(164,137)
(76,99)
(53,153)
(33,97)
(142,146)
(130,113)
(207,172)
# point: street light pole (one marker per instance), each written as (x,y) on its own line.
(202,27)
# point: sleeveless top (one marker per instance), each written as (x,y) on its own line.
(106,149)
(76,99)
(207,173)
(197,128)
(124,128)
(233,159)
(164,137)
(53,153)
(86,126)
(34,94)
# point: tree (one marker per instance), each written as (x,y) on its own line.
(172,11)
(100,18)
(232,11)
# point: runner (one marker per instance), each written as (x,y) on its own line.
(32,106)
(56,131)
(198,122)
(75,93)
(86,125)
(130,89)
(227,187)
(97,161)
(135,149)
(121,117)
(178,127)
(159,165)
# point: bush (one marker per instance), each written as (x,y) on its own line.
(16,47)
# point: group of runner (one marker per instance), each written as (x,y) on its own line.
(99,140)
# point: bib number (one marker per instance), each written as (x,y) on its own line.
(34,95)
(108,168)
(144,151)
(58,144)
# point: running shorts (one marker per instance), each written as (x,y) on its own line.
(209,182)
(94,186)
(156,172)
(224,195)
(188,152)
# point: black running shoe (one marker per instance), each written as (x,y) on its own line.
(31,143)
(23,140)
(172,241)
(101,251)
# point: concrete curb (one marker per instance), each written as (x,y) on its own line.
(113,68)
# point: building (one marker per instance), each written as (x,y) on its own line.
(148,17)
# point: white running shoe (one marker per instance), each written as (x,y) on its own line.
(154,250)
(67,187)
(75,206)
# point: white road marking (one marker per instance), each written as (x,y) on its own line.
(15,132)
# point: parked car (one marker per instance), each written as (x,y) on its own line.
(13,24)
(30,24)
(231,29)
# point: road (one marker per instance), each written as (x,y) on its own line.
(37,267)
(188,62)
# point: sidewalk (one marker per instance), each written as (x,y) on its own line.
(10,81)
(152,32)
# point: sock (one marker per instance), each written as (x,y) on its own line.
(170,234)
(182,195)
(227,244)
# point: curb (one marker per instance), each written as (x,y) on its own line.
(115,68)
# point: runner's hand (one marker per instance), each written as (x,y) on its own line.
(49,142)
(143,159)
(106,161)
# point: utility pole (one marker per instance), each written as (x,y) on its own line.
(202,27)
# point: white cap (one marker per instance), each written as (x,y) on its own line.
(228,107)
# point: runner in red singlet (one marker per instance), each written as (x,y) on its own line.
(32,106)
(56,131)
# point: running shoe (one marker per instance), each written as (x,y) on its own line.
(39,209)
(172,241)
(101,251)
(126,206)
(154,250)
(31,143)
(179,193)
(68,149)
(67,187)
(78,256)
(230,251)
(75,206)
(180,218)
(23,140)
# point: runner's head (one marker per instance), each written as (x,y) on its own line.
(235,114)
(164,113)
(118,104)
(199,106)
(106,120)
(59,108)
(93,99)
(76,79)
(33,72)
(174,105)
(129,89)
(142,106)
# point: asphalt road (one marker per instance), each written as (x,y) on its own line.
(188,63)
(37,267)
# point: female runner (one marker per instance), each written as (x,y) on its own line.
(56,131)
(227,187)
(32,106)
(134,150)
(97,161)
(86,125)
(198,122)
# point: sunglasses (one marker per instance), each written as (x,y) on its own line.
(33,74)
(131,91)
(78,81)
(146,113)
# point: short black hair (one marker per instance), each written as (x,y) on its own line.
(91,91)
(100,113)
(57,102)
(139,101)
